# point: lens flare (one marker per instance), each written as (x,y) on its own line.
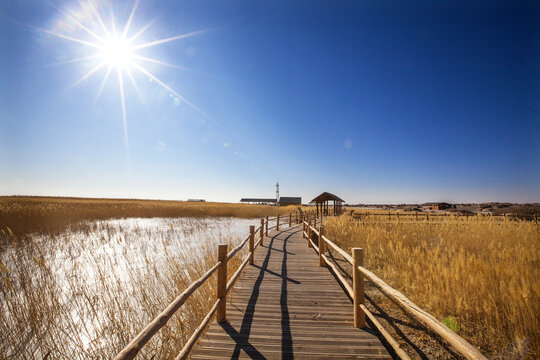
(114,49)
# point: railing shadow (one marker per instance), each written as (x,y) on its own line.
(241,337)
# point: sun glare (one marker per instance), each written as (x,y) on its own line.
(93,27)
(117,52)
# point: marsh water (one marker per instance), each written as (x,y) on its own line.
(81,293)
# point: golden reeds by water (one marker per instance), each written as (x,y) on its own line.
(482,272)
(85,293)
(30,214)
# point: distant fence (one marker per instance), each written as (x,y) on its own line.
(427,216)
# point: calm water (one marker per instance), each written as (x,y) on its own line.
(99,275)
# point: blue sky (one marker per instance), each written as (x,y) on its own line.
(375,101)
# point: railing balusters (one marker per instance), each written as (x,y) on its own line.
(321,246)
(262,232)
(358,287)
(251,243)
(221,314)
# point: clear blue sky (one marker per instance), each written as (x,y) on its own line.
(375,101)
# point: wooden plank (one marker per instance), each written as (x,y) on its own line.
(285,306)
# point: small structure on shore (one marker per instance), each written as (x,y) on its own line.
(436,206)
(322,203)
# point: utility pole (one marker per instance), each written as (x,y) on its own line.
(277,193)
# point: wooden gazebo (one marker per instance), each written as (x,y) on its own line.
(322,203)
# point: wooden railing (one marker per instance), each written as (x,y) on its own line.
(223,288)
(317,239)
(419,216)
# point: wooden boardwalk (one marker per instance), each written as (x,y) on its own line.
(287,307)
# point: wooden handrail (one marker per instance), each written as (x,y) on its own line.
(237,249)
(132,349)
(411,309)
(339,250)
(195,336)
(426,319)
(393,343)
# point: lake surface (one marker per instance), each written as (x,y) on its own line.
(66,292)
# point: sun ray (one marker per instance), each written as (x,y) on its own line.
(130,19)
(65,37)
(124,117)
(113,23)
(174,92)
(169,39)
(102,85)
(70,61)
(85,76)
(142,30)
(101,22)
(74,19)
(159,62)
(135,86)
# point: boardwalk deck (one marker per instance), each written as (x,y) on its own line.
(287,307)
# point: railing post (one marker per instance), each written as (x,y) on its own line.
(290,219)
(221,314)
(358,287)
(303,230)
(262,231)
(309,234)
(321,245)
(251,243)
(266,230)
(277,223)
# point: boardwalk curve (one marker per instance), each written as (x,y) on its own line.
(287,307)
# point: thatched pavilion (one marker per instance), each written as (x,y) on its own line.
(322,203)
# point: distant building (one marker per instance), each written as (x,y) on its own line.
(258,201)
(283,201)
(290,200)
(279,200)
(196,200)
(436,206)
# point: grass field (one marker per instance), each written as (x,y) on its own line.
(84,294)
(483,274)
(78,282)
(52,215)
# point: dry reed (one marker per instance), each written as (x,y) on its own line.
(29,214)
(482,272)
(84,294)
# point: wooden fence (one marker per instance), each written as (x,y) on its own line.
(223,288)
(316,239)
(425,216)
(313,231)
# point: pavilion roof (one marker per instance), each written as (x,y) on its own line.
(326,196)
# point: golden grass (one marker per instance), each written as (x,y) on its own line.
(483,272)
(29,214)
(85,294)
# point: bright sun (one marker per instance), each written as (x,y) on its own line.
(113,49)
(117,52)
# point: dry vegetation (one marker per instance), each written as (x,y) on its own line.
(29,214)
(76,284)
(85,294)
(481,273)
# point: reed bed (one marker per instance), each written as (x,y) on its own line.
(480,275)
(85,293)
(52,215)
